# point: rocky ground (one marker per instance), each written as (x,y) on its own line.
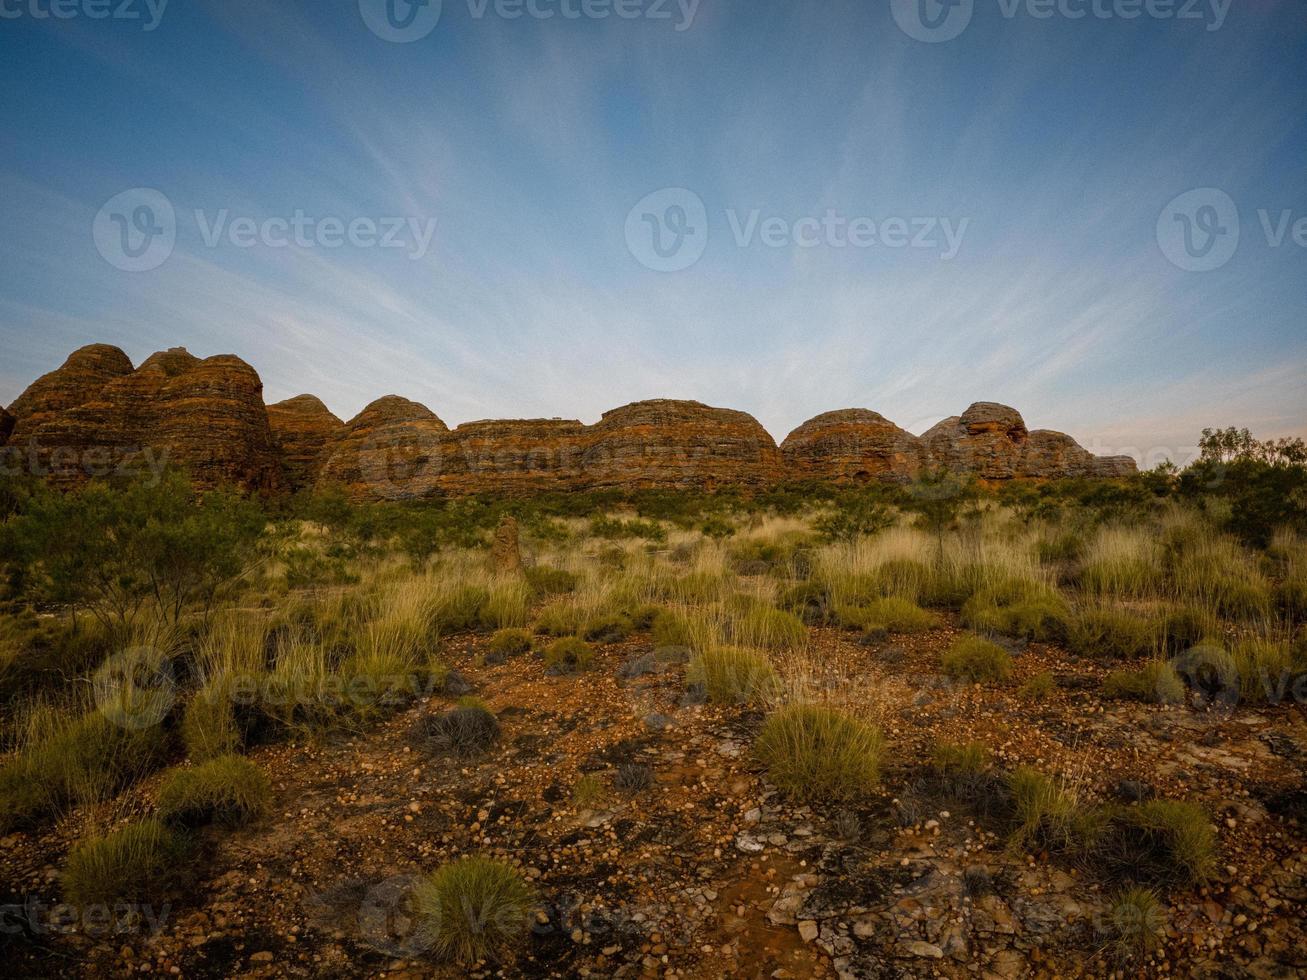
(708,872)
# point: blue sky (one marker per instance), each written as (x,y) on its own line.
(1054,143)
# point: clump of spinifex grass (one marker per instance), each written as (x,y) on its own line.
(975,659)
(139,862)
(1021,608)
(230,790)
(1136,924)
(474,909)
(815,752)
(1108,633)
(891,613)
(74,758)
(733,675)
(1156,682)
(569,655)
(1122,561)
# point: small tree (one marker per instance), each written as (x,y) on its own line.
(115,551)
(853,517)
(939,498)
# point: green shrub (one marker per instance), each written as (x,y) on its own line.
(230,790)
(466,730)
(1136,924)
(1156,682)
(506,606)
(209,725)
(509,643)
(974,659)
(641,615)
(671,629)
(1038,687)
(136,863)
(1027,610)
(588,792)
(1265,668)
(770,629)
(1182,627)
(1047,816)
(1110,634)
(903,577)
(810,601)
(568,656)
(606,628)
(547,581)
(731,675)
(559,619)
(1159,842)
(1210,671)
(474,909)
(461,609)
(813,752)
(84,759)
(960,759)
(897,615)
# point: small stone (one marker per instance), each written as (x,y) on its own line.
(926,950)
(807,930)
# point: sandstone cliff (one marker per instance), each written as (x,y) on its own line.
(76,381)
(992,441)
(302,427)
(96,414)
(851,446)
(391,450)
(399,450)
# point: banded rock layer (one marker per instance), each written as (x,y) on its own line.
(400,450)
(95,415)
(208,416)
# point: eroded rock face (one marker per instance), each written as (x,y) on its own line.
(679,444)
(302,427)
(95,415)
(78,380)
(392,450)
(663,443)
(992,442)
(853,445)
(206,416)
